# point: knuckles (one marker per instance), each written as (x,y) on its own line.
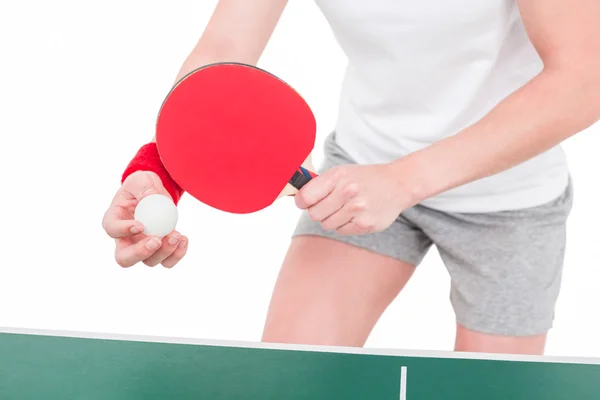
(356,205)
(364,224)
(351,190)
(359,206)
(339,172)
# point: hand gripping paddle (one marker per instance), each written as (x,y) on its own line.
(235,137)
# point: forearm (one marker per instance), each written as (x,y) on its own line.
(549,109)
(238,31)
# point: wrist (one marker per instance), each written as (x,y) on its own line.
(148,159)
(413,179)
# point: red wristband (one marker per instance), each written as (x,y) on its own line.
(148,159)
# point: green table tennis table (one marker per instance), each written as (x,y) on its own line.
(87,366)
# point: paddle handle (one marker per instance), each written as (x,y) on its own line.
(301,177)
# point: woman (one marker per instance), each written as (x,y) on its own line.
(450,121)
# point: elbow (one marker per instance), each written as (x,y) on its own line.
(589,87)
(580,88)
(595,99)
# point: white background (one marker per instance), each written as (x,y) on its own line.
(80,85)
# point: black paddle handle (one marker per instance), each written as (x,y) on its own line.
(299,180)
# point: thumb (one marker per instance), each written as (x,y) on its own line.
(144,183)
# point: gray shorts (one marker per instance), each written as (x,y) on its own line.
(505,267)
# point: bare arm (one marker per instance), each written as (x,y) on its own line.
(238,30)
(561,101)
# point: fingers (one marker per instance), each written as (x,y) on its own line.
(152,251)
(118,221)
(117,228)
(331,201)
(132,245)
(316,190)
(356,226)
(177,255)
(333,204)
(342,217)
(344,212)
(170,246)
(128,254)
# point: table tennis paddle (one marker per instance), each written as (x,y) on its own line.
(236,137)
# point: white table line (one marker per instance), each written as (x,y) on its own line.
(403,372)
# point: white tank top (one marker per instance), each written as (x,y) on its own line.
(419,71)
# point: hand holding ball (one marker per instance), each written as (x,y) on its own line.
(158,214)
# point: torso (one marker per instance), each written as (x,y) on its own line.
(421,71)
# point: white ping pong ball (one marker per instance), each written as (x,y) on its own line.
(158,214)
